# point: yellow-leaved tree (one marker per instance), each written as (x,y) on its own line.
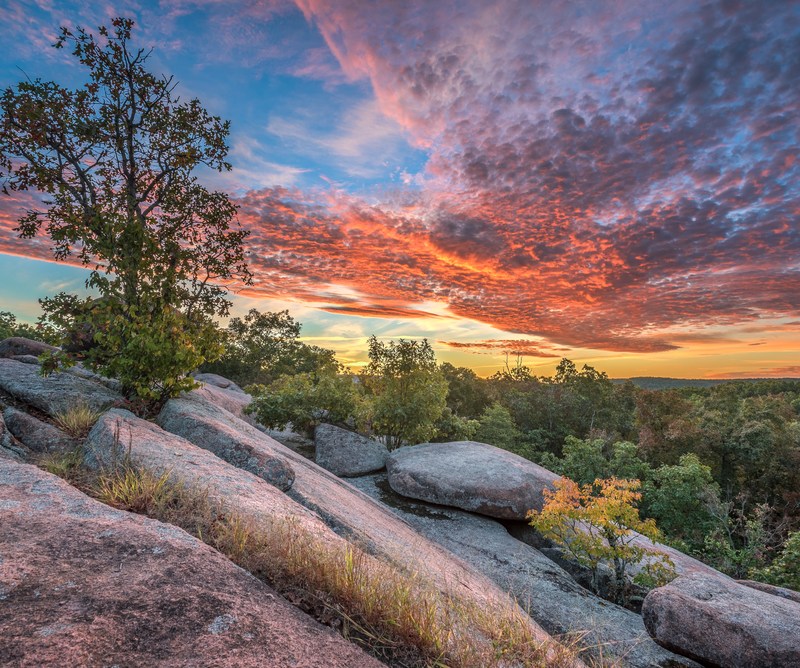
(599,524)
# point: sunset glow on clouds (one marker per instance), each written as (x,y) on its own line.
(610,181)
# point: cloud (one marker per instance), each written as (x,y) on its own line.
(599,174)
(792,371)
(515,347)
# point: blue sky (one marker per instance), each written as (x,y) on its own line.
(610,181)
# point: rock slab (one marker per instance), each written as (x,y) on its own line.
(55,393)
(35,434)
(472,476)
(722,623)
(82,584)
(197,421)
(347,454)
(542,588)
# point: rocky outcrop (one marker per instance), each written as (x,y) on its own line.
(345,453)
(18,345)
(346,511)
(84,584)
(546,591)
(717,621)
(472,476)
(198,422)
(55,393)
(35,434)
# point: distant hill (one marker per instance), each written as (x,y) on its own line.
(656,383)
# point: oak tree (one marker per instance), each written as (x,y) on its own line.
(114,161)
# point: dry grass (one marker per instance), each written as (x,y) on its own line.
(77,421)
(401,618)
(66,464)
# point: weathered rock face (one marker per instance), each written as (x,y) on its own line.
(217,381)
(25,359)
(197,421)
(34,434)
(18,345)
(10,447)
(84,584)
(345,453)
(789,594)
(546,591)
(471,476)
(345,510)
(723,623)
(52,394)
(232,399)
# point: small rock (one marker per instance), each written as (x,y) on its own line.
(471,476)
(34,434)
(19,345)
(717,621)
(345,453)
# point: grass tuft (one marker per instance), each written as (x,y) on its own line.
(77,421)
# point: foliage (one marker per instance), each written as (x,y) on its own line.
(684,500)
(585,460)
(785,570)
(451,427)
(261,347)
(305,400)
(406,392)
(496,427)
(596,524)
(115,160)
(467,395)
(10,327)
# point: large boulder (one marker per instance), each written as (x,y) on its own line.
(10,447)
(471,476)
(35,434)
(545,590)
(197,422)
(722,623)
(84,584)
(55,393)
(19,345)
(345,453)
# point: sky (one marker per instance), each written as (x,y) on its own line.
(611,181)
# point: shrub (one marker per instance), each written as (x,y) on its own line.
(596,524)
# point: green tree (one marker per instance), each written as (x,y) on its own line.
(598,524)
(10,327)
(684,500)
(406,392)
(115,160)
(305,400)
(785,570)
(467,395)
(261,347)
(496,427)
